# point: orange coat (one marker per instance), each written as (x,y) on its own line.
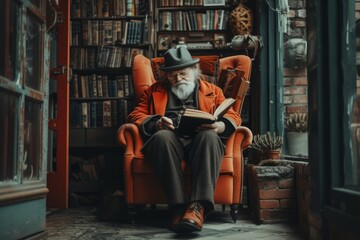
(155,98)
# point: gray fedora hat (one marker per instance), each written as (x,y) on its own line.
(178,58)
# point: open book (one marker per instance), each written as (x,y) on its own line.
(193,118)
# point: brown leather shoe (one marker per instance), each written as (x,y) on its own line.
(193,218)
(175,224)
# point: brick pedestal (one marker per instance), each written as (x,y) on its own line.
(272,193)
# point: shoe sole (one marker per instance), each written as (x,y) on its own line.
(189,227)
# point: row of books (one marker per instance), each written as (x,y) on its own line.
(107,8)
(106,32)
(193,20)
(103,114)
(103,57)
(167,3)
(101,86)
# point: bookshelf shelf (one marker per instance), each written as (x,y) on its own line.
(202,27)
(140,17)
(100,98)
(191,8)
(187,31)
(108,71)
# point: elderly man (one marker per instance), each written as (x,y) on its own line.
(157,117)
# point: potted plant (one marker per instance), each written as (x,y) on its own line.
(266,146)
(296,125)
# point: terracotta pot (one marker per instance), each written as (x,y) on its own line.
(271,154)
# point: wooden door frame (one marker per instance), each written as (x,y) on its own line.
(58,180)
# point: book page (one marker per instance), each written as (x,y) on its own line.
(198,114)
(223,107)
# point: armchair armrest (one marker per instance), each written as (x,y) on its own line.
(247,136)
(129,137)
(239,141)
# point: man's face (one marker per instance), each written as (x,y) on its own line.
(182,82)
(181,76)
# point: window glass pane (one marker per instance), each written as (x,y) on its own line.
(295,82)
(33,52)
(52,106)
(32,161)
(8,137)
(9,39)
(352,164)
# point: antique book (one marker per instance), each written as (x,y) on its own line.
(193,118)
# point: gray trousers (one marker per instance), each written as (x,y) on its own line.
(203,153)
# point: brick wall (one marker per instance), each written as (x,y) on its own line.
(272,195)
(280,190)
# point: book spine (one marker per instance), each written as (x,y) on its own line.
(84,115)
(107,113)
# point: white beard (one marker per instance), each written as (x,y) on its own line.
(183,89)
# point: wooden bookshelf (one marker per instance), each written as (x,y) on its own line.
(105,37)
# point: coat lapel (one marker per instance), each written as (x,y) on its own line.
(206,98)
(159,100)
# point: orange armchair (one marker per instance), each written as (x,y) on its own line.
(141,184)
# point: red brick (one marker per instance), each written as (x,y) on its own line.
(265,214)
(294,90)
(274,215)
(276,194)
(287,203)
(300,23)
(300,99)
(269,204)
(288,99)
(291,14)
(301,13)
(272,184)
(289,72)
(287,81)
(294,109)
(300,81)
(286,183)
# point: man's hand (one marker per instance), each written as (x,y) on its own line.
(218,127)
(165,123)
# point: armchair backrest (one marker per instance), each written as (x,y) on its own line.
(142,74)
(146,71)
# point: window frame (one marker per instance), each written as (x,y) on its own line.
(14,83)
(330,89)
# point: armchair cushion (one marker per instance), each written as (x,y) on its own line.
(228,81)
(141,166)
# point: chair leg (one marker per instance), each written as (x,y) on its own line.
(234,211)
(223,207)
(131,212)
